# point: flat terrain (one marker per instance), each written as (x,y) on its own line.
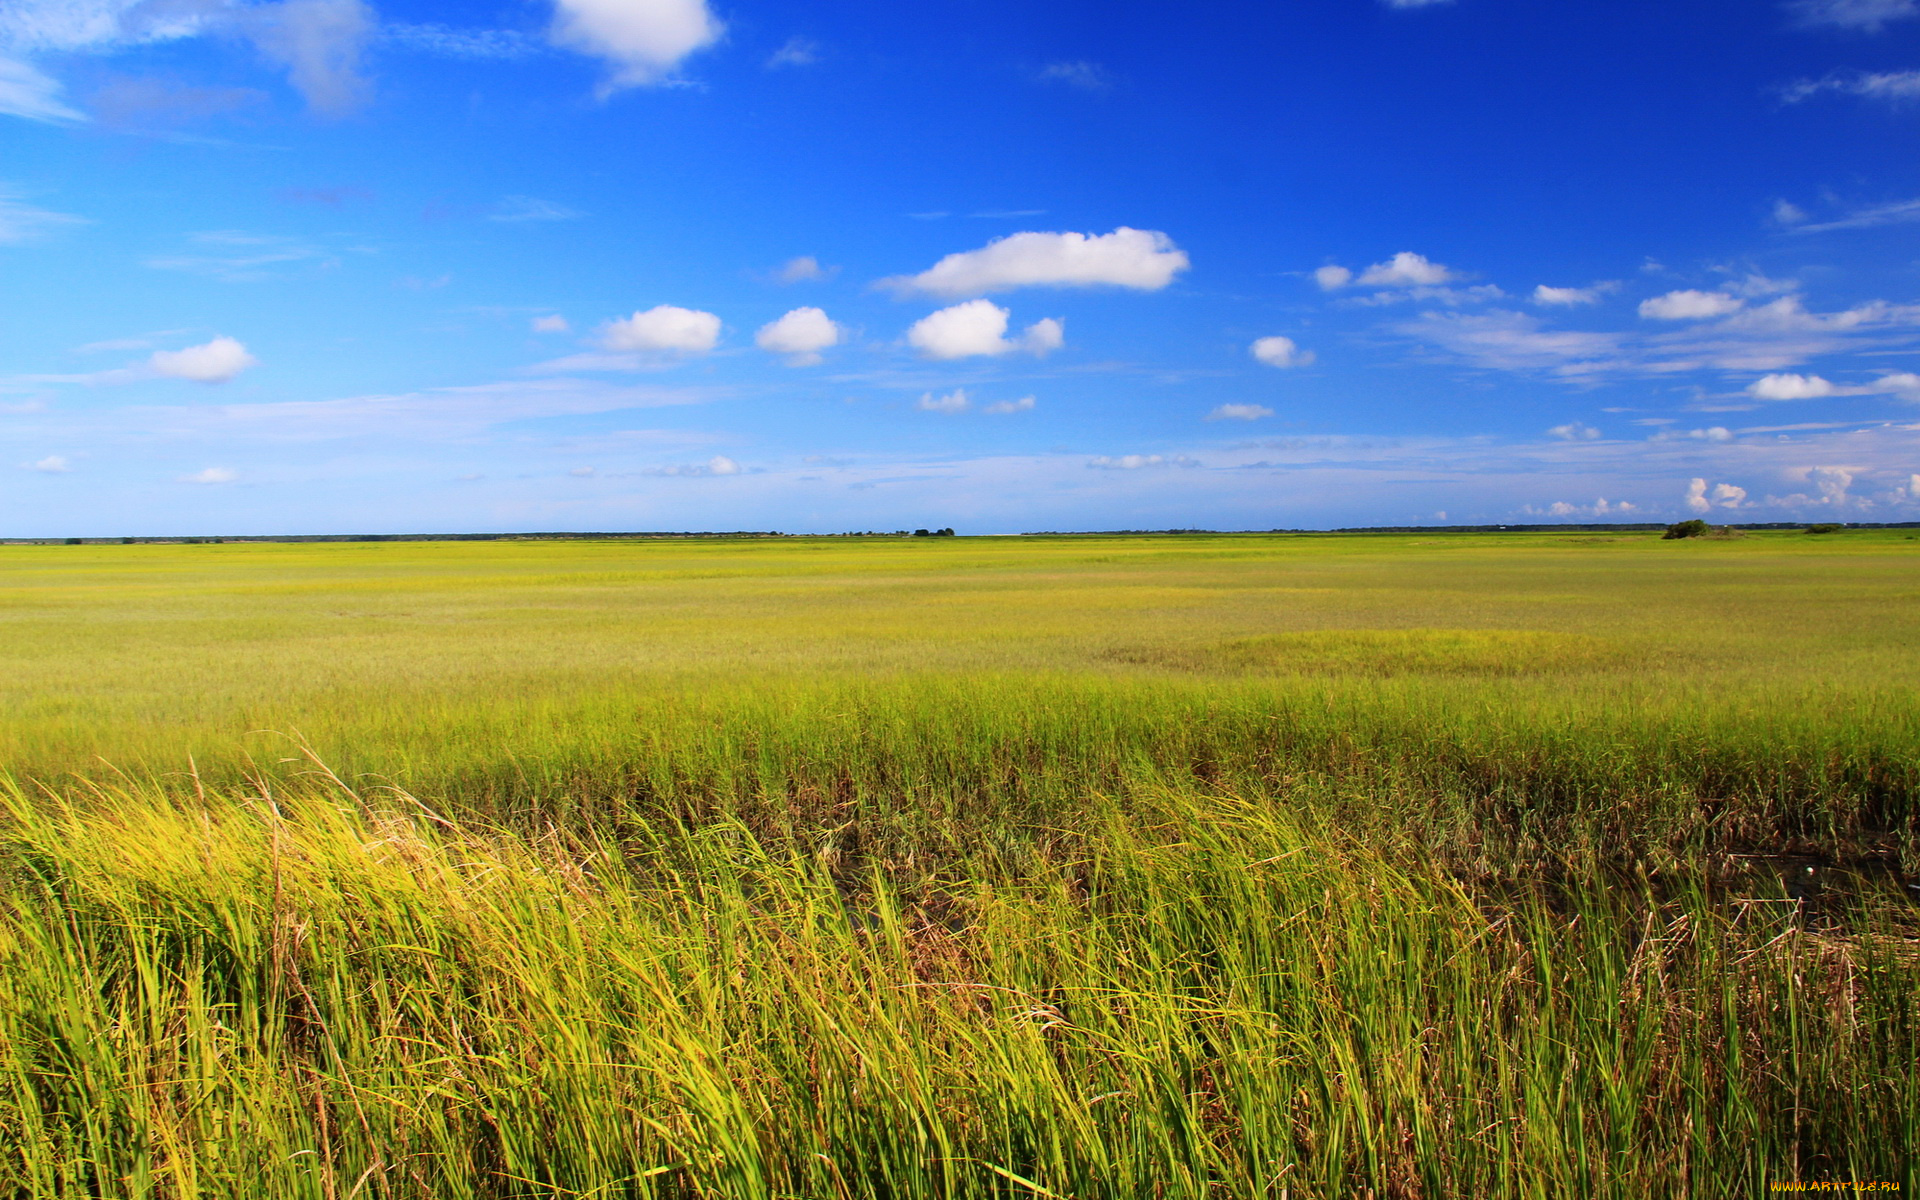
(1510,864)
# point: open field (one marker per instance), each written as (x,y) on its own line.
(1200,865)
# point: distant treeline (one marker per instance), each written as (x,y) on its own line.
(165,540)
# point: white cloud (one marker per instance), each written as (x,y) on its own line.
(582,472)
(1786,213)
(1405,269)
(805,269)
(1701,499)
(1130,258)
(551,323)
(1689,305)
(1332,278)
(52,464)
(643,40)
(1280,352)
(953,402)
(23,223)
(1599,508)
(239,257)
(1405,276)
(796,51)
(1087,76)
(1570,297)
(477,45)
(979,327)
(1003,407)
(1044,336)
(1894,87)
(27,92)
(1415,3)
(319,43)
(1866,15)
(210,475)
(1574,431)
(663,329)
(1904,384)
(800,335)
(210,362)
(1513,341)
(517,209)
(1239,412)
(719,464)
(1895,213)
(1135,462)
(1790,387)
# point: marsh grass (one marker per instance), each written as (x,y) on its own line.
(793,870)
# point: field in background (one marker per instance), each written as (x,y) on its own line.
(1083,866)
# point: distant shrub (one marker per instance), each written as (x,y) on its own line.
(1687,529)
(1825,527)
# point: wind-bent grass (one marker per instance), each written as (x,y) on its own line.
(323,997)
(1106,867)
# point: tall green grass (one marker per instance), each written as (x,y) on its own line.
(329,996)
(1107,867)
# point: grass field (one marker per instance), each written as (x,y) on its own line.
(1424,865)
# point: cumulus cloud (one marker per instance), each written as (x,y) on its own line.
(953,402)
(642,40)
(1280,352)
(1570,297)
(1004,407)
(979,327)
(1790,387)
(1239,412)
(1142,259)
(1574,431)
(1405,269)
(1405,276)
(551,323)
(1599,508)
(1332,278)
(1904,384)
(1701,499)
(1865,15)
(210,475)
(210,362)
(1689,305)
(805,269)
(800,335)
(52,464)
(663,329)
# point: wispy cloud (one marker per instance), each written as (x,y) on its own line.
(796,51)
(1078,73)
(234,256)
(21,222)
(517,209)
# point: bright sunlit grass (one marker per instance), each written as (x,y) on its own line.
(1195,866)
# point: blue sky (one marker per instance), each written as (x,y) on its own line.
(382,266)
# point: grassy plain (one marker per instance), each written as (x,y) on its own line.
(1176,866)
